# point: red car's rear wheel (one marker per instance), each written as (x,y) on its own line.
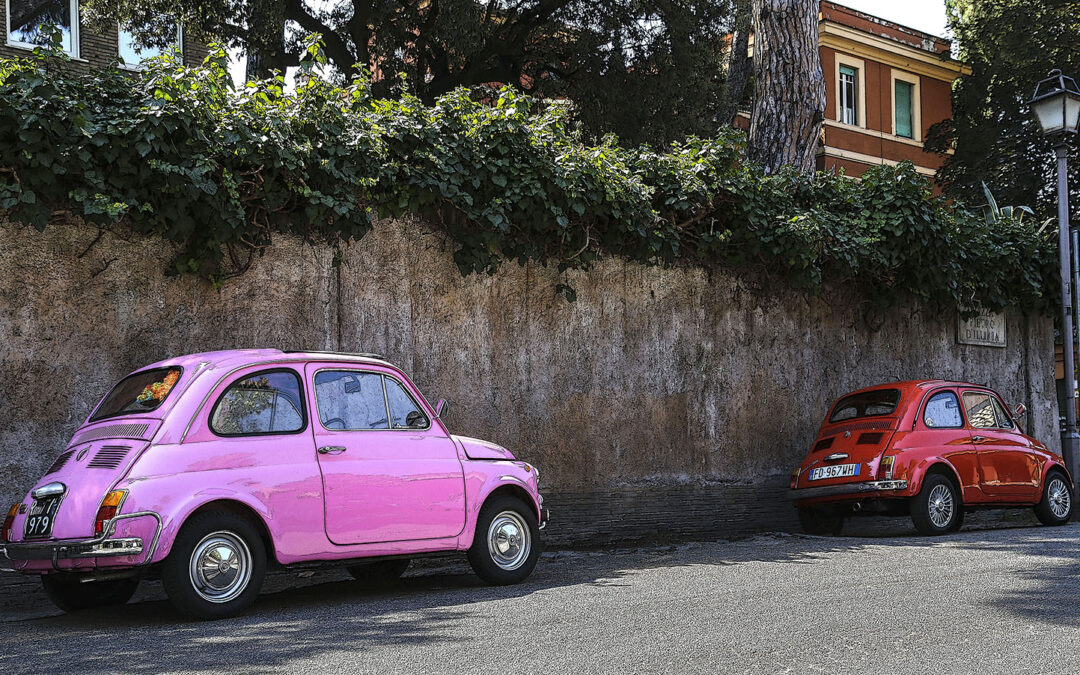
(937,508)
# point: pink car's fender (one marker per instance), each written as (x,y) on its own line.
(484,478)
(176,503)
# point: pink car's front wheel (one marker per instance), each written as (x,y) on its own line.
(504,549)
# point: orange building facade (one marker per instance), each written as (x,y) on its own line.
(886,85)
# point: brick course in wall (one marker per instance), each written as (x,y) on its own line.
(97,48)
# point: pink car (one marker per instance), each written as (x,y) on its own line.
(203,469)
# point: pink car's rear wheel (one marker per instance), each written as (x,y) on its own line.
(216,566)
(71,594)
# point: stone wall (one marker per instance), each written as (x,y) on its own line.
(663,401)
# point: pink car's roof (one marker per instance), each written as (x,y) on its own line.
(235,358)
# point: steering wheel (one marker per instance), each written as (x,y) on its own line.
(333,420)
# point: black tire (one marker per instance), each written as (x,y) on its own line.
(379,573)
(937,508)
(1056,505)
(513,525)
(820,522)
(71,595)
(214,536)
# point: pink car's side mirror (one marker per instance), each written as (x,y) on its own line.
(1019,411)
(441,408)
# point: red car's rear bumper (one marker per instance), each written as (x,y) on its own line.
(884,488)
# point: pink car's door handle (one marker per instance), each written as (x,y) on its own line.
(331,449)
(978,439)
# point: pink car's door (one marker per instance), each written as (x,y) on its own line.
(390,473)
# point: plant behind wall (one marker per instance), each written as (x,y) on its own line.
(180,153)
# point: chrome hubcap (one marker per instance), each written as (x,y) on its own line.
(1060,499)
(509,540)
(220,567)
(941,506)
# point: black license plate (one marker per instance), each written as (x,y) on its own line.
(39,523)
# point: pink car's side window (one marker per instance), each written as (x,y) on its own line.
(268,402)
(350,400)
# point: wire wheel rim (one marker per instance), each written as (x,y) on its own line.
(509,540)
(941,506)
(1057,494)
(220,567)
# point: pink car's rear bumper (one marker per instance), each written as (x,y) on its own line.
(129,541)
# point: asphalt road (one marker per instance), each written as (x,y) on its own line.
(991,601)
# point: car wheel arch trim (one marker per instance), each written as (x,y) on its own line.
(241,504)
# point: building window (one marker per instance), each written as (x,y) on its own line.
(132,55)
(902,101)
(849,95)
(850,92)
(26,21)
(906,117)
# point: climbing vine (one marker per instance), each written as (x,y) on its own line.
(182,154)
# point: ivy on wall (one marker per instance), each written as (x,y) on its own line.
(180,153)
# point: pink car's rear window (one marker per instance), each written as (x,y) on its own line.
(138,393)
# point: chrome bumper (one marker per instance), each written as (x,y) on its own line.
(98,547)
(872,486)
(65,550)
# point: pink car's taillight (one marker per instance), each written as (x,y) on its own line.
(109,507)
(5,534)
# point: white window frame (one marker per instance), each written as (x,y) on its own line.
(860,87)
(74,11)
(916,103)
(139,65)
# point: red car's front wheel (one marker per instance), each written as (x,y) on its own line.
(1056,505)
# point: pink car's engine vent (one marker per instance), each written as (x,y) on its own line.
(60,462)
(109,457)
(112,431)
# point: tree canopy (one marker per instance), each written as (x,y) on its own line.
(1010,46)
(643,69)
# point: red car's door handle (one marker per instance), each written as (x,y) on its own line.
(978,439)
(331,449)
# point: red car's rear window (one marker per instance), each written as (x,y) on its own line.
(866,404)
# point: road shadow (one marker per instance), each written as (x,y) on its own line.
(311,618)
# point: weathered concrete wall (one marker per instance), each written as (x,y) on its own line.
(684,383)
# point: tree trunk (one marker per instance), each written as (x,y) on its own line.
(789,87)
(738,61)
(266,38)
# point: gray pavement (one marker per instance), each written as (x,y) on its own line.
(983,600)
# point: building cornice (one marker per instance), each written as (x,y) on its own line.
(890,52)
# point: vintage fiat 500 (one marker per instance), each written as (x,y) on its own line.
(204,469)
(929,449)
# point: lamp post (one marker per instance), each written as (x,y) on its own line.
(1057,107)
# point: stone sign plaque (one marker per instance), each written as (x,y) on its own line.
(985,330)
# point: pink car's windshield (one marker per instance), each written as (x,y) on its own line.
(138,393)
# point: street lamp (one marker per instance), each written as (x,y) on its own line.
(1057,107)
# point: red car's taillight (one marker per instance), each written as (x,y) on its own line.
(9,521)
(885,470)
(795,477)
(109,508)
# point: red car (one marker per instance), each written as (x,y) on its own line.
(930,449)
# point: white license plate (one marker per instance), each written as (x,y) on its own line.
(834,471)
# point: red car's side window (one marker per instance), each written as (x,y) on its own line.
(984,411)
(942,411)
